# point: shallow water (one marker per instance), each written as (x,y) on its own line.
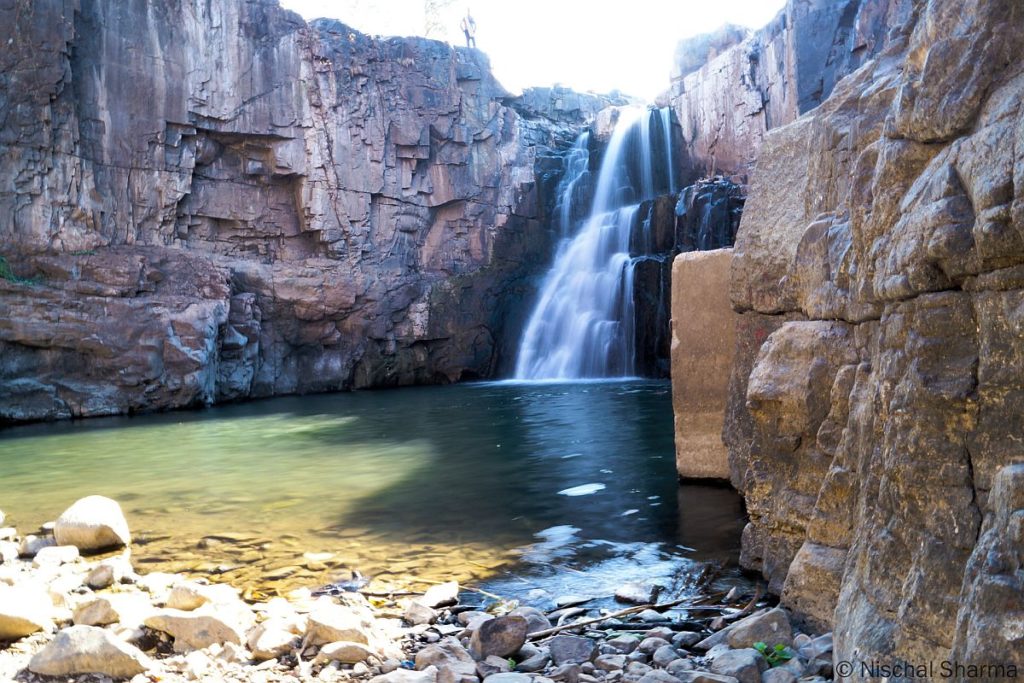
(569,488)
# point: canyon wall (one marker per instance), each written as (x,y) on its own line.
(729,88)
(203,202)
(877,397)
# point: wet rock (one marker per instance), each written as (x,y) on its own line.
(744,665)
(771,628)
(664,655)
(417,613)
(441,595)
(24,609)
(55,555)
(88,649)
(330,623)
(344,652)
(638,593)
(92,523)
(571,600)
(501,636)
(571,649)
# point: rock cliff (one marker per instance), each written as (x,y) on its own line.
(877,398)
(203,202)
(730,88)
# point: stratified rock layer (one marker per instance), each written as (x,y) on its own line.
(205,202)
(874,431)
(729,89)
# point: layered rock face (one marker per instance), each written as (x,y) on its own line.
(877,399)
(217,201)
(729,89)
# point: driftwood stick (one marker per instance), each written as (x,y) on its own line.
(614,615)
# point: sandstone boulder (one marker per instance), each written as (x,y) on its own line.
(87,649)
(92,523)
(24,609)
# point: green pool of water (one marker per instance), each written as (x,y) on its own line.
(494,483)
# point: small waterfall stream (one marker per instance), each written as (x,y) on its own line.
(583,324)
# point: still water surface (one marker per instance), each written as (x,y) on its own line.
(569,488)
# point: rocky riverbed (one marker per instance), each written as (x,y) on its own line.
(72,606)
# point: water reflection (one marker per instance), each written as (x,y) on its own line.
(459,479)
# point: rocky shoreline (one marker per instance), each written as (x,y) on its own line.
(92,617)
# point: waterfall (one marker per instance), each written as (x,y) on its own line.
(583,324)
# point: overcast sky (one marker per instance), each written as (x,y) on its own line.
(577,43)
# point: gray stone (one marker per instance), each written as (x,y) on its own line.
(664,655)
(678,666)
(571,649)
(744,665)
(508,678)
(778,675)
(493,665)
(649,645)
(638,668)
(663,632)
(88,649)
(535,662)
(30,545)
(772,628)
(610,662)
(686,639)
(569,673)
(658,676)
(535,619)
(624,644)
(637,593)
(92,523)
(501,636)
(704,677)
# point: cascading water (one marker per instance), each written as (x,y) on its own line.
(583,324)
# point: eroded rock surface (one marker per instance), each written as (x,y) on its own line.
(201,203)
(878,389)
